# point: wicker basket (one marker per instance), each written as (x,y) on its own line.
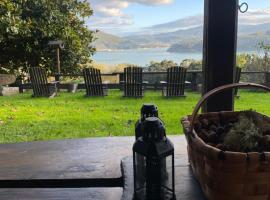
(225,175)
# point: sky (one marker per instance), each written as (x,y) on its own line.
(124,17)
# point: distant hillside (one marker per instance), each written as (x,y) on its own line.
(246,42)
(248,29)
(167,39)
(249,42)
(184,40)
(106,42)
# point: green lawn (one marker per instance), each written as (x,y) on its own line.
(23,118)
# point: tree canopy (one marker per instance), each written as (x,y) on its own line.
(26,27)
(160,66)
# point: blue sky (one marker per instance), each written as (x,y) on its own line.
(126,16)
(151,15)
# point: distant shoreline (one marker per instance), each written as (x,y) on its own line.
(163,48)
(144,49)
(134,49)
(142,56)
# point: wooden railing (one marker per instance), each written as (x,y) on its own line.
(154,78)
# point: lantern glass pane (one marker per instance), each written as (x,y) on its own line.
(160,173)
(140,170)
(167,177)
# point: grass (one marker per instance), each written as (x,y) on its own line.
(23,118)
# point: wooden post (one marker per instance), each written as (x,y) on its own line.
(58,60)
(220,42)
(57,76)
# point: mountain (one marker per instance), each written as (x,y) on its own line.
(181,40)
(167,39)
(245,21)
(105,42)
(248,29)
(248,38)
(248,42)
(184,23)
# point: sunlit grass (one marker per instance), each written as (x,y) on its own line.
(23,118)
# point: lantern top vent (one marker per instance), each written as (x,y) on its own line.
(153,129)
(149,110)
(154,141)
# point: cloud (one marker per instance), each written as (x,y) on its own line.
(110,9)
(151,2)
(184,23)
(110,13)
(252,17)
(259,16)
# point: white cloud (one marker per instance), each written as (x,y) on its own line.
(259,16)
(110,13)
(151,2)
(252,17)
(184,23)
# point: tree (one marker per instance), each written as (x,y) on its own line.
(265,49)
(191,64)
(26,27)
(160,66)
(242,60)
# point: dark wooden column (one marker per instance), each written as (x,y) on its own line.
(220,41)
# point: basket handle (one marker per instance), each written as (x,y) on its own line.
(216,91)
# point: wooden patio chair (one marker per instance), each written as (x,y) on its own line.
(237,77)
(40,85)
(133,85)
(176,82)
(93,82)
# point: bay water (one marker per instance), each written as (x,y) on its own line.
(141,57)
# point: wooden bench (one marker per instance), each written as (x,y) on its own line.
(93,83)
(176,82)
(133,85)
(40,85)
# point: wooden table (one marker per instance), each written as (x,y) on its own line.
(69,169)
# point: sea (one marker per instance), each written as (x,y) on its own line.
(141,57)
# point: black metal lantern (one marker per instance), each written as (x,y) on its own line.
(153,163)
(147,110)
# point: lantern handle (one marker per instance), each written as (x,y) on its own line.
(216,91)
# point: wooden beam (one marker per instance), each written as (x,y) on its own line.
(220,42)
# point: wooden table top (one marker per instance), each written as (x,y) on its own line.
(69,159)
(61,194)
(67,169)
